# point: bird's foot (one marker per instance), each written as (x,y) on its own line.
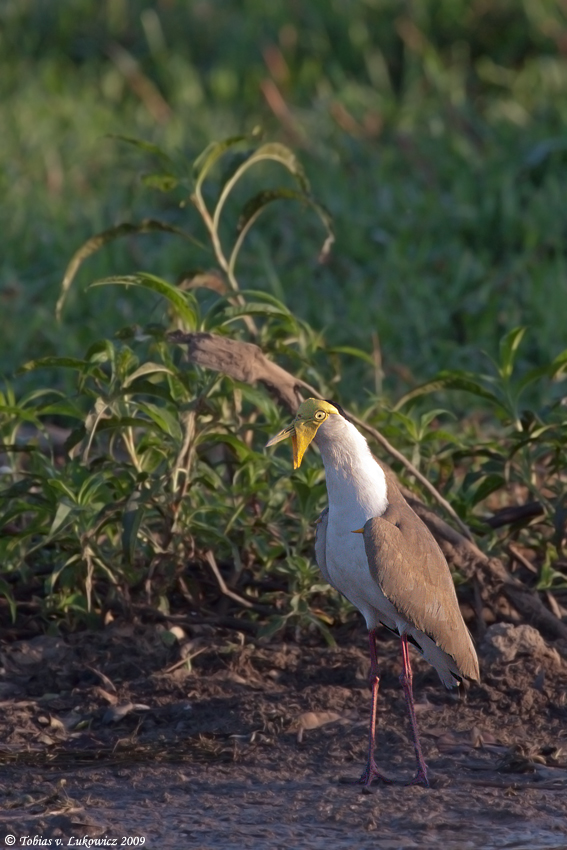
(420,778)
(372,774)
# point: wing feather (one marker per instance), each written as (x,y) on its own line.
(410,569)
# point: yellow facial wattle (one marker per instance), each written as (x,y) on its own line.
(310,415)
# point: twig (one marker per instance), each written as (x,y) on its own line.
(185,661)
(210,559)
(514,553)
(182,467)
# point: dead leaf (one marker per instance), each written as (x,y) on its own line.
(115,713)
(477,739)
(108,683)
(57,725)
(45,739)
(313,720)
(110,698)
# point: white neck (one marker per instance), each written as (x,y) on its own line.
(353,476)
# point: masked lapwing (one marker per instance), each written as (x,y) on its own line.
(373,548)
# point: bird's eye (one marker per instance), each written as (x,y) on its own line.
(320,415)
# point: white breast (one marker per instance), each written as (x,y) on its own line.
(356,486)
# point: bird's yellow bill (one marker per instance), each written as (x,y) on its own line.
(301,434)
(283,435)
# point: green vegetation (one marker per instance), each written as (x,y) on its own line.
(434,133)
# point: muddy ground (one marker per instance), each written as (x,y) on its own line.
(205,740)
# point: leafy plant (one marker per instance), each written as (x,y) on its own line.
(161,493)
(162,464)
(521,459)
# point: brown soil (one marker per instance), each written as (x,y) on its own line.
(225,743)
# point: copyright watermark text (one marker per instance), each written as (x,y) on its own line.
(84,841)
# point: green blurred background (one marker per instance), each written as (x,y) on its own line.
(434,131)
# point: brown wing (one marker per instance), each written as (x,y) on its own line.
(412,573)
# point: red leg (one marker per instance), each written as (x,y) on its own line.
(371,772)
(406,682)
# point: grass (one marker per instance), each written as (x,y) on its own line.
(438,145)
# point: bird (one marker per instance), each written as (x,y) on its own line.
(374,549)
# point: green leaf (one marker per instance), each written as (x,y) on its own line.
(95,243)
(487,486)
(352,352)
(165,420)
(224,308)
(115,423)
(184,303)
(241,450)
(450,381)
(426,418)
(274,625)
(253,309)
(550,577)
(323,628)
(89,490)
(60,518)
(558,365)
(267,297)
(147,369)
(63,407)
(23,414)
(101,351)
(54,363)
(147,147)
(163,182)
(143,387)
(441,434)
(254,206)
(261,400)
(409,424)
(508,348)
